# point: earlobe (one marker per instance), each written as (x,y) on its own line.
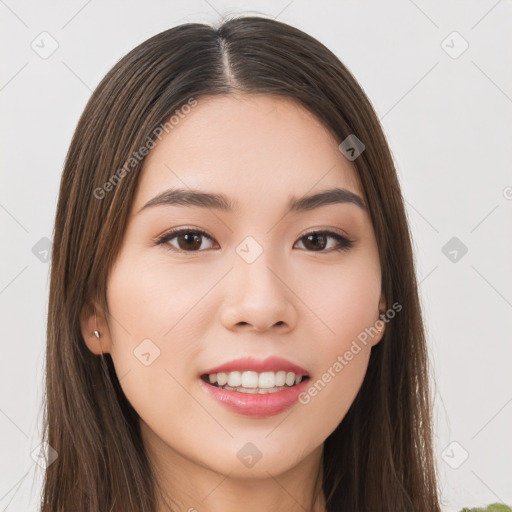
(94,329)
(379,335)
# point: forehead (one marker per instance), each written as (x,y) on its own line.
(247,147)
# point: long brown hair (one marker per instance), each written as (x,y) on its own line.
(380,457)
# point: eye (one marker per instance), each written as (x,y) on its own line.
(188,239)
(318,241)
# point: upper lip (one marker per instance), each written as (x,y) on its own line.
(270,364)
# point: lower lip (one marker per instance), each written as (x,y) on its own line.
(256,405)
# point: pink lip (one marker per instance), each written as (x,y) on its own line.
(256,405)
(270,364)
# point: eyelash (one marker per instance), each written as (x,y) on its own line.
(345,243)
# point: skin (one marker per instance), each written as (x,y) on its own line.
(302,304)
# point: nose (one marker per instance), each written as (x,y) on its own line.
(258,297)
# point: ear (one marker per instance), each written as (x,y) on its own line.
(380,324)
(92,319)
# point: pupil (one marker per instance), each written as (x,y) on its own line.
(188,241)
(315,236)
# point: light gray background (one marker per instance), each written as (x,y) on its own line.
(448,122)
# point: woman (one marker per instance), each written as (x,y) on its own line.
(234,319)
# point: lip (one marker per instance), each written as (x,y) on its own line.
(256,405)
(270,364)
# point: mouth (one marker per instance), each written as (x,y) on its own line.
(252,382)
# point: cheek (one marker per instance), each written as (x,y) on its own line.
(345,303)
(339,373)
(147,321)
(151,297)
(330,395)
(149,324)
(343,297)
(156,334)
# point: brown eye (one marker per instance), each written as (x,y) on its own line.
(317,241)
(187,240)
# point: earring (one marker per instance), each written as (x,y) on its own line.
(96,332)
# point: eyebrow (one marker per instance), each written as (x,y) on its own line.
(191,197)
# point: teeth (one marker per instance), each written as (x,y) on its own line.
(221,378)
(280,378)
(234,379)
(254,381)
(249,380)
(290,379)
(256,391)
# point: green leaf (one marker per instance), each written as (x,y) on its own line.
(495,507)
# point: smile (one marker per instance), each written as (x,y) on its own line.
(254,382)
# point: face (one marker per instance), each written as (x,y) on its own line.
(252,282)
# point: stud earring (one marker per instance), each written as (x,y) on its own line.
(96,332)
(380,329)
